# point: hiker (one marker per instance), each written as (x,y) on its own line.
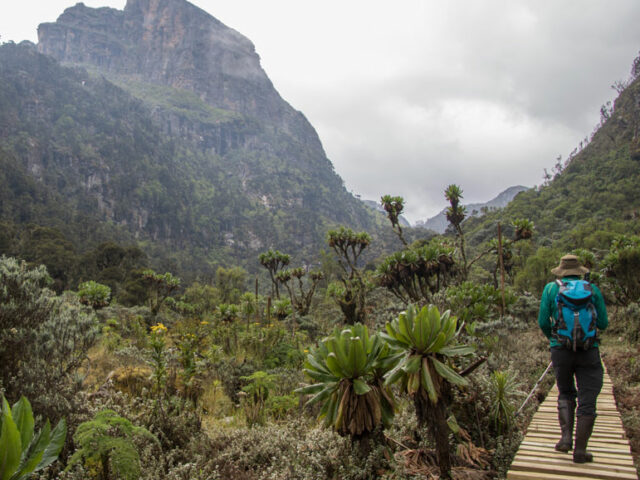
(574,350)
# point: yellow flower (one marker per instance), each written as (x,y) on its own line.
(306,350)
(158,328)
(204,322)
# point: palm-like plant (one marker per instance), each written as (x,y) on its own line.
(428,344)
(523,229)
(456,213)
(227,313)
(274,261)
(415,273)
(348,369)
(394,207)
(348,246)
(300,297)
(282,308)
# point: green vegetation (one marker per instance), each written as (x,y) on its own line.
(23,452)
(351,293)
(394,207)
(94,294)
(418,272)
(193,373)
(274,261)
(84,162)
(180,102)
(106,444)
(428,342)
(348,368)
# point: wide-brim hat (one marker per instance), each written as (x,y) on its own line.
(569,265)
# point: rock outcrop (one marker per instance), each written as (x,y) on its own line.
(174,43)
(207,155)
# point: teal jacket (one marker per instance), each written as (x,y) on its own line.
(549,309)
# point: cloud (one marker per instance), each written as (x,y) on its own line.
(483,94)
(410,96)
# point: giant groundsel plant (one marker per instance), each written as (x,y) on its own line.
(428,344)
(348,369)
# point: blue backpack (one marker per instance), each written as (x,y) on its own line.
(576,325)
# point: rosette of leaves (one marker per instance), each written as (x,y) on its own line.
(428,344)
(455,212)
(348,369)
(523,229)
(348,242)
(282,308)
(227,313)
(94,294)
(394,207)
(274,260)
(348,246)
(160,287)
(505,389)
(416,273)
(22,452)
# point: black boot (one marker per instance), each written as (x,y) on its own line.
(566,415)
(583,432)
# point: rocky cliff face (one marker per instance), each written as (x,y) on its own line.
(233,167)
(174,43)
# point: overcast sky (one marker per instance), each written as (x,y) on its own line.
(410,96)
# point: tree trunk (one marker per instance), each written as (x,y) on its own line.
(434,417)
(366,442)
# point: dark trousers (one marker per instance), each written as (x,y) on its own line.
(585,366)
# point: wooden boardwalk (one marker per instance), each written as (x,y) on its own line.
(537,458)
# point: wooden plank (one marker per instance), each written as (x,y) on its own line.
(585,471)
(600,430)
(537,458)
(595,439)
(553,428)
(519,475)
(601,459)
(611,465)
(592,448)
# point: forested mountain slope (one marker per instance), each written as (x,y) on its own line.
(162,129)
(594,196)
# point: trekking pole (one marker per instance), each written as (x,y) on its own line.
(533,389)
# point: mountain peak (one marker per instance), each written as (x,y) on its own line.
(173,43)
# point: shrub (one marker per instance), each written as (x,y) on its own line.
(106,443)
(44,339)
(477,302)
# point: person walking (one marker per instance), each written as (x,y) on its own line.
(571,313)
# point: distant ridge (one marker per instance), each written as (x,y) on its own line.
(438,223)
